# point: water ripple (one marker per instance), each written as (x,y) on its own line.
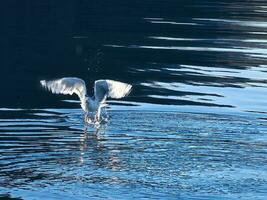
(188,153)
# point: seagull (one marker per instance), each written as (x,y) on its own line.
(102,90)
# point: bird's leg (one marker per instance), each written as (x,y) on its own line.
(98,114)
(88,118)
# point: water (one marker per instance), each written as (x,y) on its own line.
(194,126)
(48,153)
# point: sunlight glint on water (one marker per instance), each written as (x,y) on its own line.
(194,126)
(154,153)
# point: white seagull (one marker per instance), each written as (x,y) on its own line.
(102,90)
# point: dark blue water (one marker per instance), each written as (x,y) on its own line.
(194,126)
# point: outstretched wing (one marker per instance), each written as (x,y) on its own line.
(110,88)
(68,85)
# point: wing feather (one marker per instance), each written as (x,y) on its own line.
(67,85)
(109,88)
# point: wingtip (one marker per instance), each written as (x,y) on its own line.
(129,89)
(42,82)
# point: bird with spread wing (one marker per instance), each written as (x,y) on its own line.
(102,90)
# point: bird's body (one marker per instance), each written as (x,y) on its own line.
(102,90)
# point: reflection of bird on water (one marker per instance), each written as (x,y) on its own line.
(91,105)
(94,147)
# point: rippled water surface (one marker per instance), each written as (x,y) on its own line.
(155,155)
(194,126)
